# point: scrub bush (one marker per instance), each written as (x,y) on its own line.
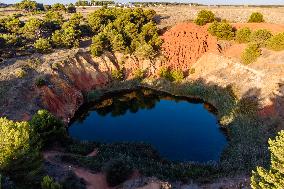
(256,17)
(20,73)
(243,35)
(42,45)
(71,8)
(260,36)
(58,7)
(276,42)
(251,53)
(117,74)
(117,171)
(32,28)
(222,30)
(48,127)
(49,183)
(177,75)
(11,40)
(204,17)
(39,82)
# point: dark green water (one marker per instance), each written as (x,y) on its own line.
(179,128)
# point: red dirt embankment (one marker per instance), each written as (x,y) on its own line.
(185,43)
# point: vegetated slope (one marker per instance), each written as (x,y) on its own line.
(185,43)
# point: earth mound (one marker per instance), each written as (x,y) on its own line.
(185,43)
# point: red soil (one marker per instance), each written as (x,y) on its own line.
(185,43)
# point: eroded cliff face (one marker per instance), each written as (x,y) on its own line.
(70,74)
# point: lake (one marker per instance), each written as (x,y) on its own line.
(180,129)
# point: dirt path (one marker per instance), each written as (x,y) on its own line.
(93,181)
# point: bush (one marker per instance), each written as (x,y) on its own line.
(48,127)
(42,45)
(97,46)
(28,5)
(222,30)
(117,171)
(67,37)
(256,17)
(40,82)
(71,8)
(177,75)
(117,74)
(32,27)
(273,177)
(12,24)
(276,42)
(204,17)
(11,40)
(243,35)
(260,36)
(20,73)
(58,7)
(251,53)
(145,51)
(49,183)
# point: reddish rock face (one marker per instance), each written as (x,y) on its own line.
(185,43)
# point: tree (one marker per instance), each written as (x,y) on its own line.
(273,178)
(58,7)
(19,151)
(71,8)
(32,27)
(28,5)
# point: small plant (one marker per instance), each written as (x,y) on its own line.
(276,42)
(251,53)
(177,75)
(117,74)
(256,17)
(20,73)
(117,171)
(42,45)
(243,35)
(49,183)
(204,17)
(222,30)
(260,36)
(192,71)
(139,74)
(40,82)
(165,73)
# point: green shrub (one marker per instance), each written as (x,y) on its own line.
(177,75)
(117,74)
(251,53)
(276,42)
(67,37)
(145,51)
(71,8)
(204,17)
(222,30)
(31,28)
(20,73)
(54,17)
(117,171)
(58,7)
(165,72)
(11,24)
(27,5)
(49,183)
(243,35)
(273,177)
(42,45)
(260,36)
(256,17)
(97,46)
(11,40)
(39,82)
(139,74)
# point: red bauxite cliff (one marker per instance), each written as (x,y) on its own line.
(185,43)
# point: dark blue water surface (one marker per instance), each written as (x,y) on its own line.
(180,129)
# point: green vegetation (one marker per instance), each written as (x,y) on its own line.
(118,74)
(42,45)
(222,30)
(29,5)
(49,183)
(124,30)
(276,42)
(251,53)
(256,17)
(273,177)
(243,35)
(204,17)
(171,75)
(39,82)
(260,37)
(117,171)
(20,73)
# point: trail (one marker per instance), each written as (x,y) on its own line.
(93,181)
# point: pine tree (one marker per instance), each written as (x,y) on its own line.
(274,177)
